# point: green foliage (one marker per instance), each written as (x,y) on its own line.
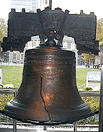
(1,36)
(99,31)
(96,121)
(4,99)
(93,102)
(87,57)
(92,57)
(3,26)
(90,120)
(88,89)
(3,29)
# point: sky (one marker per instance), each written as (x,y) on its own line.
(74,6)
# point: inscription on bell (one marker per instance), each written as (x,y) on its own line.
(49,73)
(51,61)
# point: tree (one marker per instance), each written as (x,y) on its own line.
(1,36)
(92,58)
(85,57)
(3,29)
(88,58)
(99,31)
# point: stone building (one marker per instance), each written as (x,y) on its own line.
(18,57)
(69,44)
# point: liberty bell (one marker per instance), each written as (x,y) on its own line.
(48,93)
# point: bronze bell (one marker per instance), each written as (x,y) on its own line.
(48,93)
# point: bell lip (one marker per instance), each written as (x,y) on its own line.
(43,122)
(20,118)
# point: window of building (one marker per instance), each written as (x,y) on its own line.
(21,56)
(46,2)
(14,56)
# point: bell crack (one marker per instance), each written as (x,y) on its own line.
(44,100)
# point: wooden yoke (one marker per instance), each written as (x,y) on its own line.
(23,25)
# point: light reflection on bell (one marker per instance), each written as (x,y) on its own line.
(48,92)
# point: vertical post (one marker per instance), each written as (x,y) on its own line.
(14,121)
(0,46)
(14,126)
(75,127)
(50,4)
(44,127)
(101,92)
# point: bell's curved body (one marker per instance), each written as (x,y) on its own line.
(48,92)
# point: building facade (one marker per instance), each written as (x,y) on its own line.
(69,44)
(18,57)
(29,5)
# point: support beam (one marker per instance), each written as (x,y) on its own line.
(14,121)
(50,4)
(101,93)
(75,127)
